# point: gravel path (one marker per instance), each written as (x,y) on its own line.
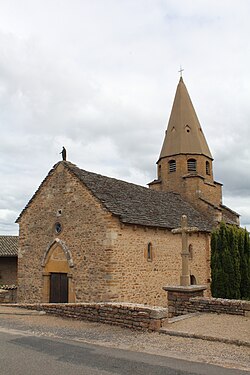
(227,355)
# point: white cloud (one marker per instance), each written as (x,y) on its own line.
(100,77)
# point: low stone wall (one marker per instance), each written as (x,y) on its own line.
(128,315)
(219,306)
(189,299)
(179,298)
(8,295)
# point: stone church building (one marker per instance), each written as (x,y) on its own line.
(85,237)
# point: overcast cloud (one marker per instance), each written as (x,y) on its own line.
(99,77)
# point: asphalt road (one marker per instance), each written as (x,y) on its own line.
(26,354)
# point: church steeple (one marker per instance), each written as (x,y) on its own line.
(184,134)
(185,162)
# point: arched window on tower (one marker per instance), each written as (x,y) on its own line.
(191,164)
(172,166)
(207,168)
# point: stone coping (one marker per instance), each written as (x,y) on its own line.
(180,288)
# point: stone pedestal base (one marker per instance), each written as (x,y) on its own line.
(178,298)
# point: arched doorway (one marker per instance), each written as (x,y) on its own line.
(57,279)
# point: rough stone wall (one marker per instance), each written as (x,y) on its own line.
(8,270)
(84,224)
(134,278)
(200,184)
(179,301)
(109,259)
(186,303)
(8,295)
(220,306)
(127,315)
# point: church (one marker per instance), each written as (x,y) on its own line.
(84,237)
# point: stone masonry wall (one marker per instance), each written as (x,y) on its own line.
(135,278)
(123,314)
(109,259)
(186,303)
(8,295)
(219,306)
(84,222)
(190,186)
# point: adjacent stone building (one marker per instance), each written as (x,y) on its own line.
(8,260)
(85,237)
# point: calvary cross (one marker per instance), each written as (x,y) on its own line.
(184,230)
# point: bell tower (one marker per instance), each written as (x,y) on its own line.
(185,164)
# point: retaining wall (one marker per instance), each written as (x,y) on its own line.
(219,306)
(128,315)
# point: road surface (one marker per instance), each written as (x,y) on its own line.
(22,353)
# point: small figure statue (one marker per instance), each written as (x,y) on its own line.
(63,152)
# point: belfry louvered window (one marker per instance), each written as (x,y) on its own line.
(207,168)
(191,164)
(172,166)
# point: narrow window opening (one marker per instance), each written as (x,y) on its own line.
(58,228)
(149,252)
(190,251)
(191,164)
(172,166)
(207,168)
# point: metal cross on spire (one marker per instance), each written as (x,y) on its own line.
(181,70)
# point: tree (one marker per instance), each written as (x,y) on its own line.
(245,264)
(230,262)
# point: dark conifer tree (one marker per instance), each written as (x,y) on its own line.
(230,262)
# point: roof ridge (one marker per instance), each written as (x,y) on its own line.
(132,203)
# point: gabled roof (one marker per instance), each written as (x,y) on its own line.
(184,134)
(135,204)
(8,246)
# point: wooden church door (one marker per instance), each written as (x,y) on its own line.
(58,288)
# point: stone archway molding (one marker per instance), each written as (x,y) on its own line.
(66,251)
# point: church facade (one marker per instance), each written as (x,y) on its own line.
(84,237)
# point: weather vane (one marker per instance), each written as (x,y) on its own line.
(181,70)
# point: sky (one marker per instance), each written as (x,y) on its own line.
(99,77)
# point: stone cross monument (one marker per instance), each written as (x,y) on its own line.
(184,230)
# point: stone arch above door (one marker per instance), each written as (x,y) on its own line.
(57,262)
(57,252)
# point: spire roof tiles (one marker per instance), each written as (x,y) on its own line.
(184,134)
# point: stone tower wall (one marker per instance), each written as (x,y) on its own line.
(190,185)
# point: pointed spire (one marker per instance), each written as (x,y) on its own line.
(184,134)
